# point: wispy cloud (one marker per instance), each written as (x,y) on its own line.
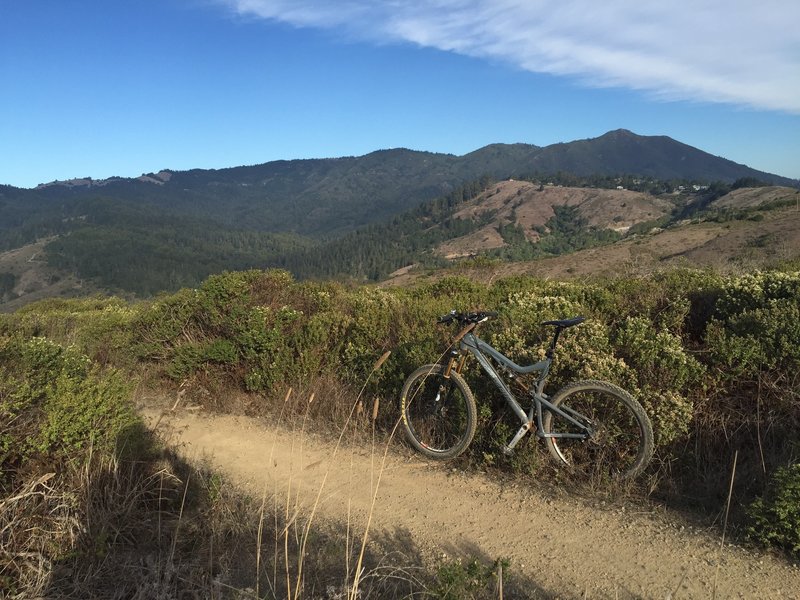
(732,51)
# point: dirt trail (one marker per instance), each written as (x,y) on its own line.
(569,547)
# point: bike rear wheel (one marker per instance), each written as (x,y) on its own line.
(621,443)
(438,413)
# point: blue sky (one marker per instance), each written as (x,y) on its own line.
(123,87)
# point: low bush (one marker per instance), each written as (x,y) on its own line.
(98,327)
(457,580)
(65,423)
(775,516)
(55,404)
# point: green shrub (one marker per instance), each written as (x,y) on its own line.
(55,403)
(98,327)
(235,324)
(756,291)
(680,300)
(664,373)
(775,517)
(456,580)
(373,325)
(761,338)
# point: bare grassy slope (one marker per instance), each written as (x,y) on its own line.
(528,206)
(752,197)
(735,246)
(36,280)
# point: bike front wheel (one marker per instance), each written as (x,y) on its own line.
(619,444)
(438,413)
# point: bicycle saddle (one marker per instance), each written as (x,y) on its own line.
(566,322)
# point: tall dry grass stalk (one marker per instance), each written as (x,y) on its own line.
(178,524)
(358,570)
(500,580)
(286,506)
(304,537)
(375,406)
(725,523)
(758,427)
(23,557)
(331,459)
(347,539)
(263,507)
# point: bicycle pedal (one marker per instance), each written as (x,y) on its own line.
(507,451)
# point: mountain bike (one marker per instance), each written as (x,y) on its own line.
(594,428)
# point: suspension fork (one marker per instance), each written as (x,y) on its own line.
(456,361)
(457,357)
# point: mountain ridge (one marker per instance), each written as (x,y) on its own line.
(541,157)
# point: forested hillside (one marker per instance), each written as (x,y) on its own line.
(143,250)
(138,249)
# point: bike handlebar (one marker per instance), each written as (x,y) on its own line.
(483,315)
(467,318)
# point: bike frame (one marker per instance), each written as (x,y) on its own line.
(472,344)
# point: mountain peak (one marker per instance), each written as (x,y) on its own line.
(622,132)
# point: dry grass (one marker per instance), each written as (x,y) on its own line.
(167,530)
(35,279)
(70,533)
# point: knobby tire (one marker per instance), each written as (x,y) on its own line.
(622,443)
(438,413)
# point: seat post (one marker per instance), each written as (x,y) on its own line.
(551,350)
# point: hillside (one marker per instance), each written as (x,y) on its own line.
(661,157)
(529,207)
(328,196)
(361,218)
(568,231)
(26,277)
(759,239)
(511,222)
